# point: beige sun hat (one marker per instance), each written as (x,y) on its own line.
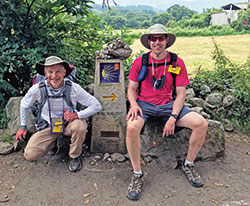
(53,60)
(157,29)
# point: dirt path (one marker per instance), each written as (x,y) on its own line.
(49,182)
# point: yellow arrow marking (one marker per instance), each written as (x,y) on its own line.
(113,97)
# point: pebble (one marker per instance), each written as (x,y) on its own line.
(106,156)
(92,162)
(5,199)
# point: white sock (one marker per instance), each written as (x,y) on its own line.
(188,163)
(138,173)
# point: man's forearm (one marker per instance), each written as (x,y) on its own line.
(178,104)
(132,96)
(24,115)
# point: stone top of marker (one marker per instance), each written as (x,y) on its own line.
(116,49)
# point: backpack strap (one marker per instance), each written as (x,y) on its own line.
(68,85)
(173,62)
(145,58)
(174,85)
(37,107)
(144,62)
(44,94)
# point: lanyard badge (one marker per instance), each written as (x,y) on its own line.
(57,125)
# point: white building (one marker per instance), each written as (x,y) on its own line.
(229,13)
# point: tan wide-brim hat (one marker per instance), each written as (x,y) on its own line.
(157,29)
(50,61)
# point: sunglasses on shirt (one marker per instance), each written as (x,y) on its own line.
(160,38)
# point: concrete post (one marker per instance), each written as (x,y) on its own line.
(109,125)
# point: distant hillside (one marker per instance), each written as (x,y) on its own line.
(159,5)
(130,8)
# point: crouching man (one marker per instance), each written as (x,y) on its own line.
(57,99)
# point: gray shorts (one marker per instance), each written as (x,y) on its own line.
(163,111)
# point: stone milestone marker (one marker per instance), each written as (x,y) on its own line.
(109,125)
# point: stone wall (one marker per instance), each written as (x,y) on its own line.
(169,149)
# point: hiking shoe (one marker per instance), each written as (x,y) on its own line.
(56,148)
(135,187)
(75,164)
(53,151)
(193,177)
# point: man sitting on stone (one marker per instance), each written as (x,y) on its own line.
(60,117)
(154,98)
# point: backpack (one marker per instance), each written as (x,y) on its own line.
(38,105)
(144,70)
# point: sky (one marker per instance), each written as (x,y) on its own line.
(196,5)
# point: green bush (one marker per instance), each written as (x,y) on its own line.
(243,21)
(227,78)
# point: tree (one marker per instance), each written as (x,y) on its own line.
(162,18)
(109,15)
(197,21)
(34,29)
(118,22)
(135,19)
(178,12)
(130,18)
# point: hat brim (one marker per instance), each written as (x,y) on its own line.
(40,68)
(144,39)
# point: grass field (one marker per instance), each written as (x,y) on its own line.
(197,51)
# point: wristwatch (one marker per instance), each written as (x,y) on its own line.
(174,115)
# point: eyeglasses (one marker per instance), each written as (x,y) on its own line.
(160,38)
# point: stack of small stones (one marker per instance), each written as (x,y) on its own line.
(115,49)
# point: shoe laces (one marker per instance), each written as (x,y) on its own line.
(192,173)
(136,182)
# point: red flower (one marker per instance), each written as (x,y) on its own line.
(245,22)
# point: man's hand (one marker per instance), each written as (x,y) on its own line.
(169,127)
(70,116)
(133,111)
(21,134)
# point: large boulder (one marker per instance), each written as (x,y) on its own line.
(13,114)
(175,147)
